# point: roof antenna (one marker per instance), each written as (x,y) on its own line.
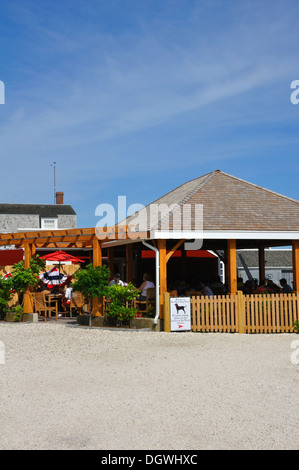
(54,168)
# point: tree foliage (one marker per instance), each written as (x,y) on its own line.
(5,294)
(91,281)
(121,298)
(27,277)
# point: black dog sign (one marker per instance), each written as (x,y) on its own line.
(180,314)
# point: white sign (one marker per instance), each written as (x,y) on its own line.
(180,314)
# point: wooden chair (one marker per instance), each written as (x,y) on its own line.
(106,302)
(14,300)
(77,303)
(150,299)
(43,305)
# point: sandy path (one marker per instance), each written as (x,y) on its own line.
(66,387)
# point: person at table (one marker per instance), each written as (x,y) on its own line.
(218,286)
(286,289)
(273,287)
(205,289)
(116,280)
(67,295)
(146,284)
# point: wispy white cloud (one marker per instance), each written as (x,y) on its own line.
(92,95)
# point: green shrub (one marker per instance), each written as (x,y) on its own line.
(27,277)
(120,309)
(92,281)
(18,310)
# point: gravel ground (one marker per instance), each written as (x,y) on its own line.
(67,387)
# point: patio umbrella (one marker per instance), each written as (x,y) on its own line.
(61,256)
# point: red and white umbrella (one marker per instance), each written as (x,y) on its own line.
(61,257)
(54,277)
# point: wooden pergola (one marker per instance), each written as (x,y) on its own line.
(165,248)
(63,239)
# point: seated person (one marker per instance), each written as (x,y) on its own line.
(116,280)
(205,289)
(273,287)
(218,286)
(240,283)
(147,283)
(286,289)
(67,295)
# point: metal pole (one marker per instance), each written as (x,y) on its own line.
(54,167)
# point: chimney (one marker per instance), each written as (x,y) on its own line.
(59,197)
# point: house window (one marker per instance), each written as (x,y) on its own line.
(47,223)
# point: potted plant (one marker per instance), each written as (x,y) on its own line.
(120,309)
(92,282)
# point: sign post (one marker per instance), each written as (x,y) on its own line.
(180,314)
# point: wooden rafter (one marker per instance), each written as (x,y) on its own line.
(176,246)
(84,236)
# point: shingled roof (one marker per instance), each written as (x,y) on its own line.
(44,210)
(230,203)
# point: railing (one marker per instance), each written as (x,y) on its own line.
(258,313)
(214,314)
(271,313)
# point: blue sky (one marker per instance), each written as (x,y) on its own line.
(135,97)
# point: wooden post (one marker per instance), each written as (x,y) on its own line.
(28,303)
(232,266)
(27,255)
(129,266)
(163,272)
(295,253)
(262,268)
(96,252)
(97,303)
(167,326)
(241,311)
